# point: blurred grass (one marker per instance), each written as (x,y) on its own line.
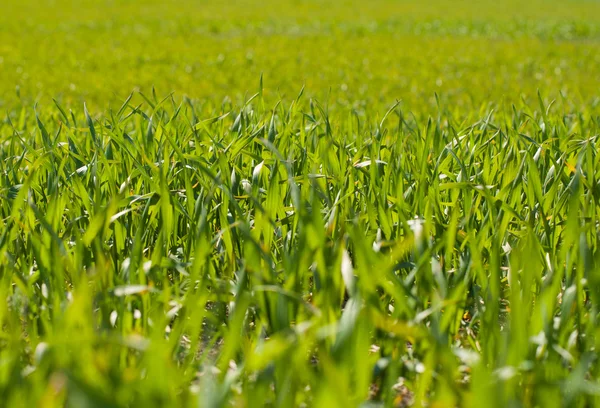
(417,225)
(347,52)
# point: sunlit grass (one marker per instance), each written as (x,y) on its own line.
(288,255)
(417,225)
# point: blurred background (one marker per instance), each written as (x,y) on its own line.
(362,54)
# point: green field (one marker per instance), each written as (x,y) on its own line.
(299,203)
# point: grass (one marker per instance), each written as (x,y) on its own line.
(416,226)
(472,57)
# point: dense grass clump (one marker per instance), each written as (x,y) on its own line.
(417,226)
(152,256)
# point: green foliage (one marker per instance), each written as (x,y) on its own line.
(289,256)
(354,54)
(322,247)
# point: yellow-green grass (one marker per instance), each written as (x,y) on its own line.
(341,204)
(346,52)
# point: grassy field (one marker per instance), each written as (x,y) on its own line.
(299,203)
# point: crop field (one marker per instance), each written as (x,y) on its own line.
(310,203)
